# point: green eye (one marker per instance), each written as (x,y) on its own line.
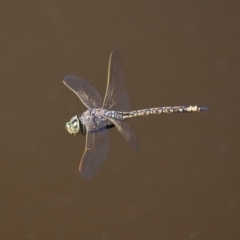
(74,124)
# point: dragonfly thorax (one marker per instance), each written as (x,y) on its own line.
(93,119)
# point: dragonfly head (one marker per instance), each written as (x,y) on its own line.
(74,126)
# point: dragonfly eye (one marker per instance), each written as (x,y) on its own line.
(74,124)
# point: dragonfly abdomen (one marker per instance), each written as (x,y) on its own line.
(160,110)
(114,114)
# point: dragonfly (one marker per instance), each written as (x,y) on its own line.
(103,115)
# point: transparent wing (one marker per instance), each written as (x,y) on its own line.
(116,97)
(87,94)
(126,131)
(96,150)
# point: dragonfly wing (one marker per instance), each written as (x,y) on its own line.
(96,150)
(126,131)
(89,96)
(116,97)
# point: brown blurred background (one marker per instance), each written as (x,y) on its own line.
(184,183)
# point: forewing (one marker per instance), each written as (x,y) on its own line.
(126,131)
(87,94)
(116,97)
(96,150)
